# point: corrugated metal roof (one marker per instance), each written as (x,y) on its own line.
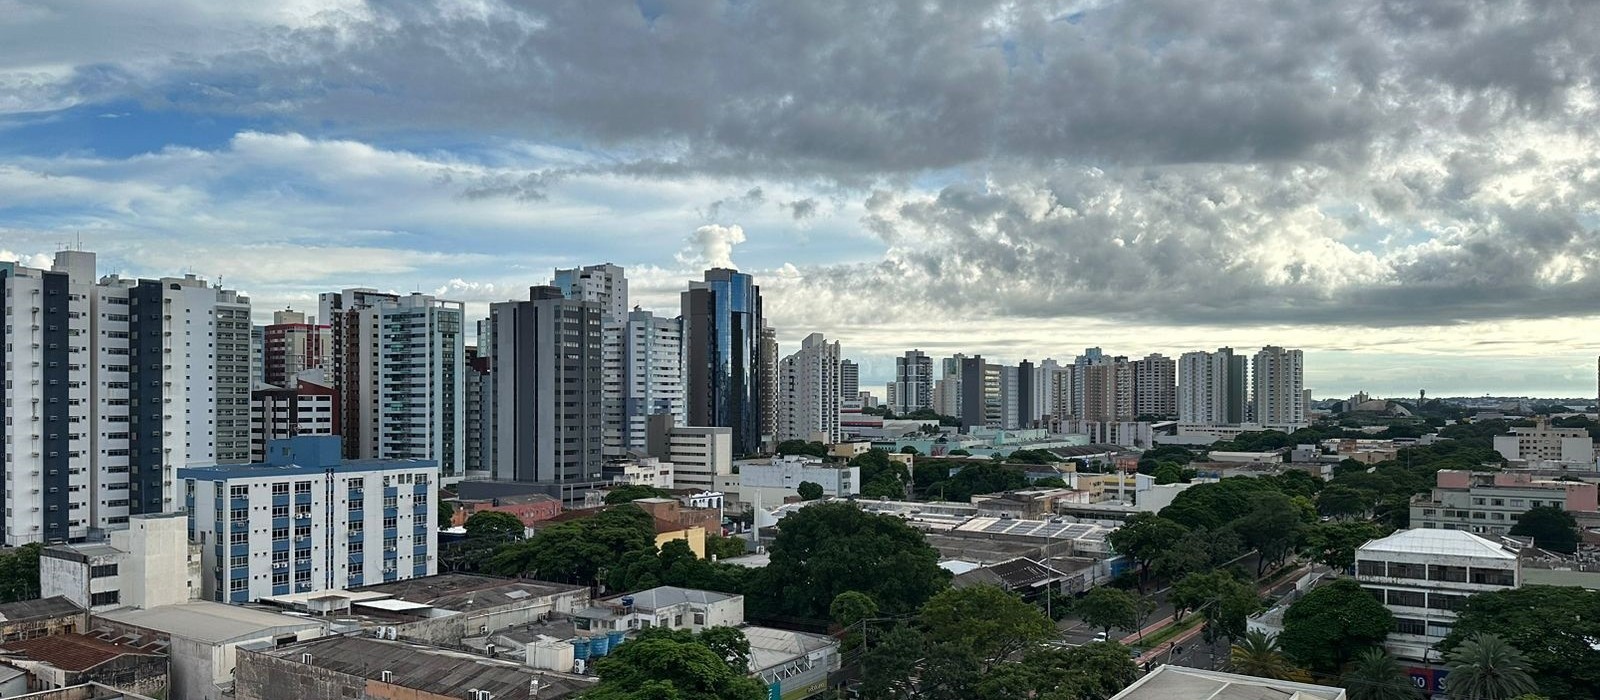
(430,669)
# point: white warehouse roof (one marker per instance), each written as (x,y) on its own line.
(1456,543)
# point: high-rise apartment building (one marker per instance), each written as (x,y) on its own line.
(652,381)
(410,359)
(849,380)
(1044,378)
(294,345)
(607,287)
(306,521)
(1278,387)
(808,392)
(357,393)
(1025,398)
(948,386)
(1212,388)
(768,366)
(1063,388)
(110,386)
(546,360)
(1155,390)
(476,416)
(982,403)
(1081,363)
(308,405)
(913,378)
(1107,390)
(725,366)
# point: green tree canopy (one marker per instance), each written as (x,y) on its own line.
(1375,675)
(984,621)
(578,550)
(809,490)
(1335,543)
(1223,600)
(1168,473)
(1551,528)
(1108,608)
(1258,654)
(445,513)
(1272,527)
(1554,626)
(19,573)
(1094,671)
(633,492)
(662,663)
(1332,623)
(829,548)
(491,524)
(1144,537)
(801,447)
(1485,667)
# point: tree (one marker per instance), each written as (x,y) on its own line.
(890,664)
(1271,527)
(19,573)
(495,525)
(1106,608)
(1332,623)
(985,622)
(633,492)
(1551,528)
(578,550)
(1257,654)
(1198,550)
(809,490)
(1223,600)
(666,664)
(849,609)
(1375,675)
(674,565)
(1340,501)
(1144,537)
(1553,626)
(1335,543)
(829,548)
(722,547)
(1485,667)
(1168,473)
(801,447)
(1094,671)
(446,513)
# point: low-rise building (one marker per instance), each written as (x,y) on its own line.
(1546,446)
(1024,503)
(531,509)
(203,639)
(772,482)
(639,471)
(148,563)
(26,619)
(666,606)
(1169,682)
(368,667)
(1425,576)
(307,520)
(67,660)
(1489,503)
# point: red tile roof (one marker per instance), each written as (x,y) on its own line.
(72,652)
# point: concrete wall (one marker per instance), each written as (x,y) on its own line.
(264,677)
(64,578)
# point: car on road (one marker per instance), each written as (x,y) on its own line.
(1101,637)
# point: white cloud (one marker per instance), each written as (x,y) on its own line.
(712,246)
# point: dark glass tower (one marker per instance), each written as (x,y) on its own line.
(722,365)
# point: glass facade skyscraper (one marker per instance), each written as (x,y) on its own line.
(723,367)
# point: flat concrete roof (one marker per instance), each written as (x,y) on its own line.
(206,621)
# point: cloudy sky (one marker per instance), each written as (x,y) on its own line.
(1407,190)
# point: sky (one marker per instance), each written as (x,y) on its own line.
(1405,190)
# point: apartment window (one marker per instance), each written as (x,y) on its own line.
(1478,501)
(302,487)
(357,504)
(356,568)
(239,515)
(280,489)
(358,546)
(1407,570)
(1370,568)
(353,484)
(699,618)
(105,598)
(238,562)
(389,501)
(239,491)
(280,534)
(280,578)
(389,523)
(1492,577)
(1413,599)
(388,543)
(1407,626)
(102,570)
(302,531)
(238,584)
(280,557)
(1453,574)
(239,538)
(1446,601)
(280,511)
(302,576)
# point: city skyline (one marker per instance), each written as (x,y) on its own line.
(1380,186)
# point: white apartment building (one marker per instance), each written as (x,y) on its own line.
(808,392)
(111,385)
(772,482)
(1546,446)
(699,455)
(640,471)
(1425,576)
(1155,386)
(409,380)
(307,521)
(148,563)
(913,382)
(1278,387)
(652,381)
(1211,388)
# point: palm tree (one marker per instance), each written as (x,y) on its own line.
(1258,655)
(1486,667)
(1375,675)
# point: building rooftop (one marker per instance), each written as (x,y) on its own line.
(464,592)
(1048,529)
(1017,574)
(209,622)
(432,670)
(76,652)
(666,596)
(1169,682)
(1438,542)
(81,551)
(54,606)
(770,647)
